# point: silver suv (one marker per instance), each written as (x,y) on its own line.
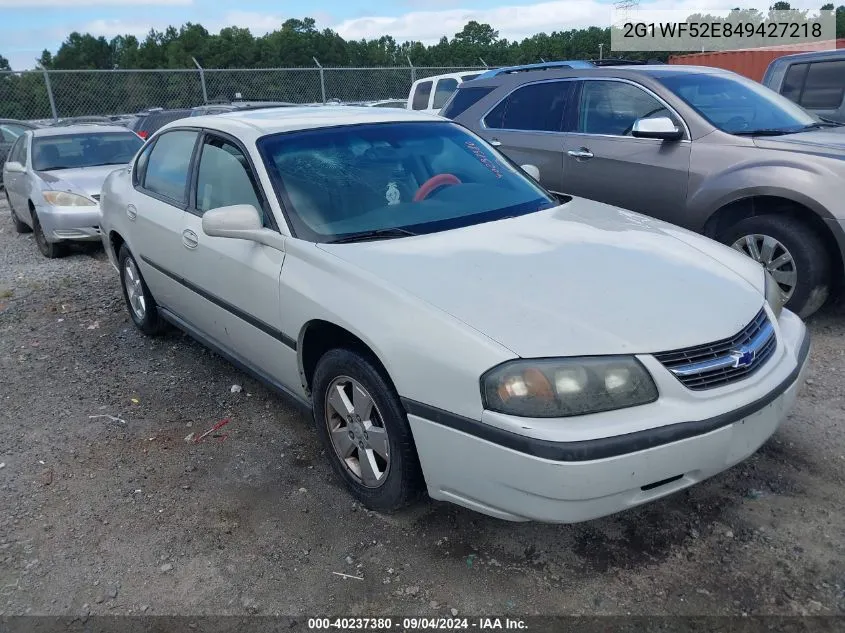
(699,147)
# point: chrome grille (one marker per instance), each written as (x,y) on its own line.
(726,361)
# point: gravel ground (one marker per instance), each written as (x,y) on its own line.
(120,515)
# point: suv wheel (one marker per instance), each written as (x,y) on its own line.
(139,302)
(365,431)
(20,227)
(792,252)
(51,250)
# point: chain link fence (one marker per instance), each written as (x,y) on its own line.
(42,95)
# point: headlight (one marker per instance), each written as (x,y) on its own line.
(555,388)
(67,199)
(774,295)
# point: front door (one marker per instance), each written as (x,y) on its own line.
(604,162)
(526,126)
(233,283)
(15,183)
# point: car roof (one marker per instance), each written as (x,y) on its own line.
(255,123)
(625,71)
(812,56)
(76,129)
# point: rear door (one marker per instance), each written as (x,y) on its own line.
(604,162)
(526,126)
(234,283)
(823,89)
(156,213)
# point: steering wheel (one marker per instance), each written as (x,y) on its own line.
(435,182)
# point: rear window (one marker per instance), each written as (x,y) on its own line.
(463,100)
(72,151)
(421,96)
(444,90)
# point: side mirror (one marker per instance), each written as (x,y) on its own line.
(14,167)
(240,222)
(532,170)
(662,128)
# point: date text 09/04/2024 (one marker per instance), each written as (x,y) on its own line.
(416,624)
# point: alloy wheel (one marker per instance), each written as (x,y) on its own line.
(134,289)
(774,257)
(357,431)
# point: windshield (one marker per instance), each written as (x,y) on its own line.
(71,151)
(738,105)
(9,132)
(421,177)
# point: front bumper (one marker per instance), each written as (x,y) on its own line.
(520,478)
(70,223)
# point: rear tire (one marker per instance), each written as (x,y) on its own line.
(142,308)
(20,227)
(50,250)
(809,272)
(381,483)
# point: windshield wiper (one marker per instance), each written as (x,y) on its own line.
(376,234)
(821,124)
(54,168)
(830,122)
(765,132)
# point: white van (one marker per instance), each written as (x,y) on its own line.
(432,93)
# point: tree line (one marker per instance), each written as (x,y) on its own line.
(294,45)
(297,42)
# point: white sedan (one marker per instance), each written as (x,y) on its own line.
(453,326)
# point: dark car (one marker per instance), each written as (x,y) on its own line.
(815,81)
(10,130)
(149,121)
(699,147)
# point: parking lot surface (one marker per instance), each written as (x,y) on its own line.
(106,509)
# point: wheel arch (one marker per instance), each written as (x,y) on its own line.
(318,336)
(803,210)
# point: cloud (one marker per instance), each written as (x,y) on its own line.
(35,4)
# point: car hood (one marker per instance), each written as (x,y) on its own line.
(85,180)
(830,141)
(580,279)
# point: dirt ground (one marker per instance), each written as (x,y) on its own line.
(119,515)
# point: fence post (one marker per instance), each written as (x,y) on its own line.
(322,79)
(413,70)
(202,80)
(50,94)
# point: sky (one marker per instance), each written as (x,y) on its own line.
(30,26)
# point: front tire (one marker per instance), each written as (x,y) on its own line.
(365,431)
(50,250)
(792,252)
(20,227)
(142,308)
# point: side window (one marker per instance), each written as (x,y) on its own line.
(444,90)
(421,96)
(169,163)
(538,107)
(824,86)
(464,99)
(793,82)
(141,165)
(612,107)
(23,152)
(225,178)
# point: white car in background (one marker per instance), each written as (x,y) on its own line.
(430,94)
(53,178)
(452,325)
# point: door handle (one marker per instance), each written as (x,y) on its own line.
(580,154)
(190,239)
(131,211)
(495,142)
